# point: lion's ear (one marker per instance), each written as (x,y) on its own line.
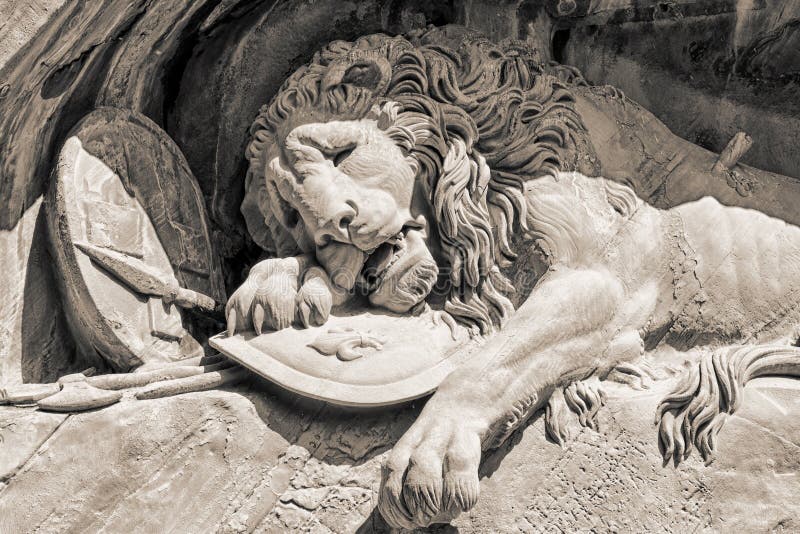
(361,68)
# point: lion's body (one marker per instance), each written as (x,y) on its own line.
(719,274)
(455,147)
(622,274)
(748,267)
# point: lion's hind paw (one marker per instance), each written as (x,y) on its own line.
(639,375)
(583,398)
(556,419)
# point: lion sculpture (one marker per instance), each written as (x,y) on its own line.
(394,166)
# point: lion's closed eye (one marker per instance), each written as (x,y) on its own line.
(339,156)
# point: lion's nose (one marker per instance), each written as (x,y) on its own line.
(337,227)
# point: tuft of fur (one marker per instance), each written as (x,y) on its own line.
(585,398)
(556,419)
(693,414)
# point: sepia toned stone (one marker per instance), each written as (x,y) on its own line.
(571,224)
(111,229)
(258,465)
(341,154)
(394,360)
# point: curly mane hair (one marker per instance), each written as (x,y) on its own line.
(480,120)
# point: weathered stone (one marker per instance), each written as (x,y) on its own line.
(21,21)
(130,238)
(51,44)
(35,345)
(707,71)
(246,461)
(387,161)
(22,433)
(156,466)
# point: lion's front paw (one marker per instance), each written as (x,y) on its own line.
(431,475)
(315,298)
(270,297)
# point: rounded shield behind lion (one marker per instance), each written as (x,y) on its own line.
(123,190)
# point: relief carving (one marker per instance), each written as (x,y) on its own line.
(393,164)
(406,184)
(345,342)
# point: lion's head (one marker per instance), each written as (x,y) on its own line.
(402,163)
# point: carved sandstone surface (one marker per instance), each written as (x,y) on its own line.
(129,237)
(55,57)
(391,161)
(259,463)
(59,60)
(92,55)
(377,359)
(65,50)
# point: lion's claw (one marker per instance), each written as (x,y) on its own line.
(278,300)
(431,475)
(231,319)
(258,317)
(260,302)
(314,301)
(270,297)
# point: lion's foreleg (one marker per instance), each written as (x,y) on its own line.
(564,332)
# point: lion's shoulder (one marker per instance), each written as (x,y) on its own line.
(570,214)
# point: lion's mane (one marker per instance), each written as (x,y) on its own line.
(479,103)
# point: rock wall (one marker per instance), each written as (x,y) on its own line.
(707,69)
(251,459)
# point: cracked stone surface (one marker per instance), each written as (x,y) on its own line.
(22,432)
(255,460)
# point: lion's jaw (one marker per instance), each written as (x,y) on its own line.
(407,277)
(350,190)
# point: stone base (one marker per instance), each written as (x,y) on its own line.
(256,460)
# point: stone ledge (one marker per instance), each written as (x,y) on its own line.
(248,461)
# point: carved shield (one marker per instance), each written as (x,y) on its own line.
(357,358)
(122,185)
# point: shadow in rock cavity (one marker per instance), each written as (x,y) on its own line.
(47,348)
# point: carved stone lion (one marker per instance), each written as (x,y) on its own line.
(431,172)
